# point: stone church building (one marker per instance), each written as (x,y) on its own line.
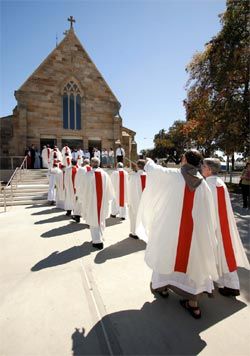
(66,100)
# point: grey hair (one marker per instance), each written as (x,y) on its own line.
(119,165)
(85,161)
(213,164)
(95,162)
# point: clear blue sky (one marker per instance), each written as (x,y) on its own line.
(140,47)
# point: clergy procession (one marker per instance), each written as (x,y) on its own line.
(184,216)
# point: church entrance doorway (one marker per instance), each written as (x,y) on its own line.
(72,143)
(94,144)
(47,141)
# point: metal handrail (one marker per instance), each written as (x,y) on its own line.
(10,181)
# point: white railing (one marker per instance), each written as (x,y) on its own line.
(230,177)
(10,183)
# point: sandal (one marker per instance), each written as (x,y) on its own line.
(185,304)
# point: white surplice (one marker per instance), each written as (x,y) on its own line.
(60,190)
(227,273)
(134,196)
(46,157)
(71,203)
(96,181)
(117,208)
(51,176)
(66,156)
(79,185)
(158,223)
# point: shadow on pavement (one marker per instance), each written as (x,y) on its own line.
(93,344)
(37,205)
(162,327)
(48,211)
(53,219)
(64,230)
(112,222)
(60,258)
(121,248)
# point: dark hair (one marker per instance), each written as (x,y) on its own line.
(193,157)
(73,162)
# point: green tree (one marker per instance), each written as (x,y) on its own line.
(218,86)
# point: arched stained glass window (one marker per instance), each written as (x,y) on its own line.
(71,107)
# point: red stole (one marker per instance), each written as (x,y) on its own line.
(121,188)
(225,230)
(185,232)
(74,170)
(88,168)
(143,181)
(99,193)
(48,151)
(68,161)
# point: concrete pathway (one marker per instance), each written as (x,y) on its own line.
(60,297)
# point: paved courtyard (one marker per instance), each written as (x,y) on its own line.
(60,297)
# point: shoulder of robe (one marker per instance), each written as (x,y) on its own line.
(220,183)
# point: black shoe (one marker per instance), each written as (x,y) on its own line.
(113,216)
(134,236)
(99,246)
(229,292)
(76,218)
(68,213)
(122,218)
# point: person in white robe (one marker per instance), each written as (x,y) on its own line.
(120,154)
(119,179)
(97,195)
(79,156)
(136,185)
(55,156)
(87,154)
(51,176)
(46,156)
(71,203)
(80,182)
(176,219)
(59,184)
(97,153)
(66,156)
(231,252)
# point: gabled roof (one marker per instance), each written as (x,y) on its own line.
(70,36)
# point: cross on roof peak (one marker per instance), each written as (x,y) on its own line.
(71,20)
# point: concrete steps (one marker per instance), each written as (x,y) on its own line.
(31,187)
